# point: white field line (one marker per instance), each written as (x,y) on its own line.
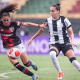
(3,75)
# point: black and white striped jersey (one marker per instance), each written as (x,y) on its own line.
(58,30)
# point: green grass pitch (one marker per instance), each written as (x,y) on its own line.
(46,70)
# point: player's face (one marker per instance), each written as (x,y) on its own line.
(54,13)
(6,20)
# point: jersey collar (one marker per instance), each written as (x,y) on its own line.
(55,19)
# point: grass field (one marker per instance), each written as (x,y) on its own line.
(46,70)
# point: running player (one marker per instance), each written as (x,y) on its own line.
(10,39)
(59,40)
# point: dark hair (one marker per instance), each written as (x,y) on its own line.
(7,9)
(57,6)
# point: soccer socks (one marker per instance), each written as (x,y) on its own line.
(54,60)
(31,63)
(28,64)
(75,63)
(23,69)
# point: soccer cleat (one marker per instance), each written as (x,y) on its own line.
(34,65)
(60,76)
(34,77)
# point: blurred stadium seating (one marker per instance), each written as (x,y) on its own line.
(37,6)
(75,8)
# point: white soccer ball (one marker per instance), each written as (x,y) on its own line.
(14,53)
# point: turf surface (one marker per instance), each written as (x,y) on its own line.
(46,70)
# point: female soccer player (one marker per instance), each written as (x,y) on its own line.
(59,40)
(10,39)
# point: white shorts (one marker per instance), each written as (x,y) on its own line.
(20,47)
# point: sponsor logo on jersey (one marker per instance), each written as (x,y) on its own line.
(7,34)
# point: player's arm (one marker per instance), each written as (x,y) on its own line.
(40,31)
(69,27)
(71,35)
(33,25)
(37,34)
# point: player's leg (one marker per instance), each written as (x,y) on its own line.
(72,59)
(21,68)
(68,51)
(53,52)
(24,57)
(27,62)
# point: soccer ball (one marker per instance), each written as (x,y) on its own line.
(14,53)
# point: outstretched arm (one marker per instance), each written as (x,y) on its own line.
(37,34)
(34,25)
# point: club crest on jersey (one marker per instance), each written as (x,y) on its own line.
(11,29)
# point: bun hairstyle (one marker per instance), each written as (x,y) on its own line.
(7,9)
(57,6)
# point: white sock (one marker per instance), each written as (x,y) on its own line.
(76,64)
(55,61)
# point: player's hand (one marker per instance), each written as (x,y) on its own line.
(74,45)
(30,41)
(43,26)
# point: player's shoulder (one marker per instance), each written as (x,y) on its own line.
(49,19)
(15,22)
(63,16)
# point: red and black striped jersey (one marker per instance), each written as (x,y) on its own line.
(8,34)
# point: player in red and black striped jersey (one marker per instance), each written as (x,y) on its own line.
(8,33)
(10,39)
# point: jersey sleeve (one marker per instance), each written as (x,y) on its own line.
(19,24)
(67,23)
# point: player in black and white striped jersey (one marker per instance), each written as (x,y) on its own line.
(59,40)
(58,30)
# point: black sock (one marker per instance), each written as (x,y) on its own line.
(28,64)
(23,69)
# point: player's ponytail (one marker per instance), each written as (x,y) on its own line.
(7,9)
(57,6)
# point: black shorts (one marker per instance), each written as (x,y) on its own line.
(62,47)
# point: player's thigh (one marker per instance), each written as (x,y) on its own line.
(24,57)
(70,53)
(53,46)
(67,50)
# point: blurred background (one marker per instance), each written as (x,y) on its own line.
(37,11)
